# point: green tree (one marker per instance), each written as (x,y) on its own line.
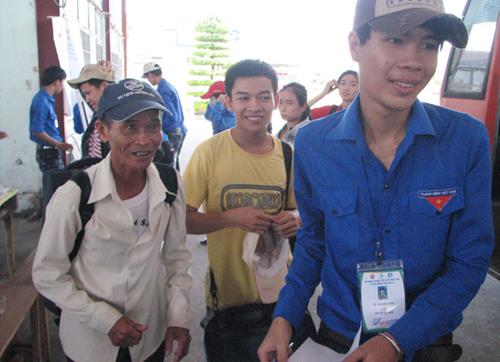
(209,60)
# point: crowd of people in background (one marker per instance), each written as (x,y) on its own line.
(360,185)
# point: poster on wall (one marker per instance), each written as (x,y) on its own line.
(69,47)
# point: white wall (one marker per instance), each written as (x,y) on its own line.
(18,83)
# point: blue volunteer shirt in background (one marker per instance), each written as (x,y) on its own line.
(77,119)
(43,117)
(175,118)
(220,116)
(348,200)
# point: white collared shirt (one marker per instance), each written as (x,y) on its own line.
(115,272)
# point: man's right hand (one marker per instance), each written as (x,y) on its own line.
(126,333)
(250,219)
(275,346)
(63,146)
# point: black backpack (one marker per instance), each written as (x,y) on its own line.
(52,179)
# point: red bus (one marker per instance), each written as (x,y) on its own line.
(472,85)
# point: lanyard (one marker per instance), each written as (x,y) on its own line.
(376,221)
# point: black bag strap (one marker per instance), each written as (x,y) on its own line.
(287,155)
(213,291)
(85,209)
(169,178)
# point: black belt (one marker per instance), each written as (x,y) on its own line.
(43,147)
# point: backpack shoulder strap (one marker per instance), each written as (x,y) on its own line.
(287,156)
(85,209)
(169,178)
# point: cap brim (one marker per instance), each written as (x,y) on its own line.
(447,27)
(74,83)
(123,112)
(206,95)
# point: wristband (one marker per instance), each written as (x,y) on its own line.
(392,341)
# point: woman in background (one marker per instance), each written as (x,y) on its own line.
(348,86)
(294,110)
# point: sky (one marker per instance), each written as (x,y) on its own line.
(310,35)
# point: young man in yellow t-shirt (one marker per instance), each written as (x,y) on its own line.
(240,177)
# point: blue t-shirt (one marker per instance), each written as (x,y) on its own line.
(220,116)
(175,117)
(43,117)
(348,201)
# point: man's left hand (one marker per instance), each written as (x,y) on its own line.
(183,339)
(287,223)
(376,349)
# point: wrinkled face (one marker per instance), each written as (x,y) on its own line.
(289,106)
(135,141)
(92,94)
(394,69)
(348,87)
(253,101)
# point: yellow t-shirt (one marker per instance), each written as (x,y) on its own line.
(221,175)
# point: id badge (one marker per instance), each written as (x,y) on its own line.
(382,294)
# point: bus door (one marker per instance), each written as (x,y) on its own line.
(472,82)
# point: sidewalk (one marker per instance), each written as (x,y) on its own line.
(479,333)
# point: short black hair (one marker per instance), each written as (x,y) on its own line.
(250,68)
(301,93)
(364,33)
(51,74)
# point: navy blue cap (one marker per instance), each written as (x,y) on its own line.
(124,99)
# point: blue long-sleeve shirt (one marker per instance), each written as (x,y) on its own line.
(175,117)
(43,117)
(220,116)
(342,189)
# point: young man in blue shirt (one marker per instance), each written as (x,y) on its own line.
(390,180)
(43,121)
(173,121)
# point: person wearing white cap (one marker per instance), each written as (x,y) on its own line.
(125,295)
(395,199)
(173,121)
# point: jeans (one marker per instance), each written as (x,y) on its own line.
(48,157)
(176,138)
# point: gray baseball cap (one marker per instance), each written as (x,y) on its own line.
(396,17)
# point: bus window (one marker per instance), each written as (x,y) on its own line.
(469,67)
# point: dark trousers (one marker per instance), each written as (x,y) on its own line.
(235,334)
(124,355)
(443,350)
(176,139)
(48,157)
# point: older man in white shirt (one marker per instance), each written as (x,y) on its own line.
(125,296)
